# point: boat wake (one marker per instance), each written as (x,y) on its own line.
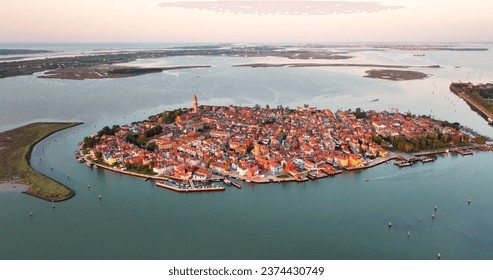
(402,174)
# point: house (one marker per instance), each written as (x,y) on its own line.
(354,160)
(218,167)
(275,166)
(201,174)
(341,160)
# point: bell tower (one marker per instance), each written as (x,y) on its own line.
(195,105)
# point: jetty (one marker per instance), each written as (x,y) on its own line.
(231,183)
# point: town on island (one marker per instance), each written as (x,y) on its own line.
(187,149)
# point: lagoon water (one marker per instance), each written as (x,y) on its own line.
(341,217)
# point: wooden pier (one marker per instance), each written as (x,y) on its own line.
(463,152)
(229,183)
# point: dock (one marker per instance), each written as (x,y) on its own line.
(301,179)
(403,163)
(463,152)
(314,175)
(171,185)
(231,183)
(427,159)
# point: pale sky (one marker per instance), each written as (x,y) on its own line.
(152,21)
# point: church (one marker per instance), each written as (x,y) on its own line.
(191,121)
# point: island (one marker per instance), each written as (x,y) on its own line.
(478,97)
(21,51)
(263,145)
(15,151)
(387,74)
(109,71)
(395,75)
(76,66)
(84,65)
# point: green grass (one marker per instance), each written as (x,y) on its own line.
(15,151)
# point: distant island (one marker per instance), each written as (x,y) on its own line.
(21,51)
(15,152)
(84,65)
(395,75)
(109,71)
(262,145)
(386,74)
(103,64)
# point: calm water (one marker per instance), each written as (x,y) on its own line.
(343,217)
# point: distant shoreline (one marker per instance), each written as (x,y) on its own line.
(109,72)
(257,65)
(21,51)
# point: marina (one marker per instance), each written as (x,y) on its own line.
(190,187)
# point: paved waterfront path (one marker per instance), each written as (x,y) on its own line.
(13,187)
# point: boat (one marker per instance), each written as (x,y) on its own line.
(403,163)
(427,159)
(366,180)
(81,160)
(227,181)
(374,100)
(90,164)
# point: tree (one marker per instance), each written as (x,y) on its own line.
(90,142)
(377,139)
(444,138)
(267,106)
(98,155)
(142,140)
(480,140)
(360,114)
(153,131)
(151,146)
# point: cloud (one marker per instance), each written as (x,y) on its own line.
(299,7)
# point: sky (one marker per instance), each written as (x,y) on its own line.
(228,21)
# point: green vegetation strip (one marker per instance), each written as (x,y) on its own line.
(15,150)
